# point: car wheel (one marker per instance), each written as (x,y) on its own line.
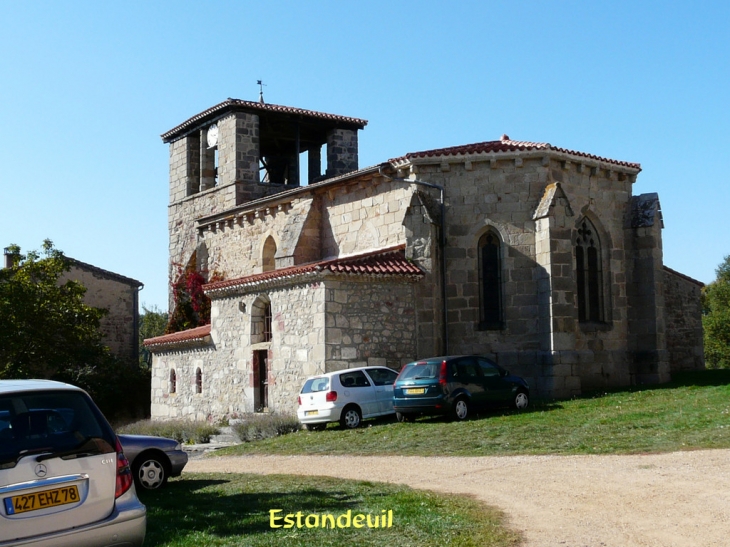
(404,417)
(521,400)
(150,472)
(315,427)
(351,417)
(460,411)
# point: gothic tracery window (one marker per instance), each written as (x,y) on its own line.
(589,272)
(490,281)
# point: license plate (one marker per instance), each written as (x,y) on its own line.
(415,391)
(41,500)
(311,412)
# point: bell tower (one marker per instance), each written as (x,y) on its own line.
(239,151)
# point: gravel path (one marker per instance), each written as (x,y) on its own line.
(680,499)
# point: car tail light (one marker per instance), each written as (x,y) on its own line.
(331,396)
(124,474)
(299,400)
(442,374)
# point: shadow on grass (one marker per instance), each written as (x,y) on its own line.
(220,508)
(711,377)
(695,378)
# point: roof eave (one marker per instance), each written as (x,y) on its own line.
(602,163)
(220,110)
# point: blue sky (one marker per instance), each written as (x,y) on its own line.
(86,89)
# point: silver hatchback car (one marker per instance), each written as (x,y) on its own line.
(64,481)
(347,396)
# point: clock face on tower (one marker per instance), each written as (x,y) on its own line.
(212,136)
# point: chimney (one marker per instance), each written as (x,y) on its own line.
(11,258)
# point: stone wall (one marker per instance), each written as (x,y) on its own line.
(540,338)
(120,326)
(683,319)
(296,351)
(317,327)
(370,322)
(308,228)
(361,218)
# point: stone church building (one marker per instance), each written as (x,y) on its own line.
(537,256)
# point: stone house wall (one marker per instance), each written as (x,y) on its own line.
(317,327)
(296,351)
(120,297)
(683,319)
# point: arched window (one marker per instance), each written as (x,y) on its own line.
(173,381)
(490,281)
(589,272)
(261,330)
(198,381)
(268,254)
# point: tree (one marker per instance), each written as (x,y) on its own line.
(48,331)
(152,322)
(716,318)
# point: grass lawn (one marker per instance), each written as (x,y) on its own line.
(234,509)
(692,412)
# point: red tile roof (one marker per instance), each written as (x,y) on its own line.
(185,337)
(505,144)
(384,262)
(238,104)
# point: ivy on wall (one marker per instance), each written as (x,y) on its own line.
(191,305)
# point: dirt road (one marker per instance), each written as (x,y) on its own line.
(680,499)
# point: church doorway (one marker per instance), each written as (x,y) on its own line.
(261,379)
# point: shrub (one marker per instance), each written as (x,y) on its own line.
(255,427)
(184,431)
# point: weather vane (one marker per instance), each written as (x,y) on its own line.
(261,90)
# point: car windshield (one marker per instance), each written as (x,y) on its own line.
(420,371)
(51,424)
(313,385)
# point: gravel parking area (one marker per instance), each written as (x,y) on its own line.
(681,499)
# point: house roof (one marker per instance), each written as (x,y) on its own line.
(238,105)
(381,263)
(504,145)
(185,338)
(683,276)
(104,273)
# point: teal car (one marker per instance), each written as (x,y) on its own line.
(456,386)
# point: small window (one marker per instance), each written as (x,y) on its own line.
(267,322)
(198,381)
(173,381)
(268,258)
